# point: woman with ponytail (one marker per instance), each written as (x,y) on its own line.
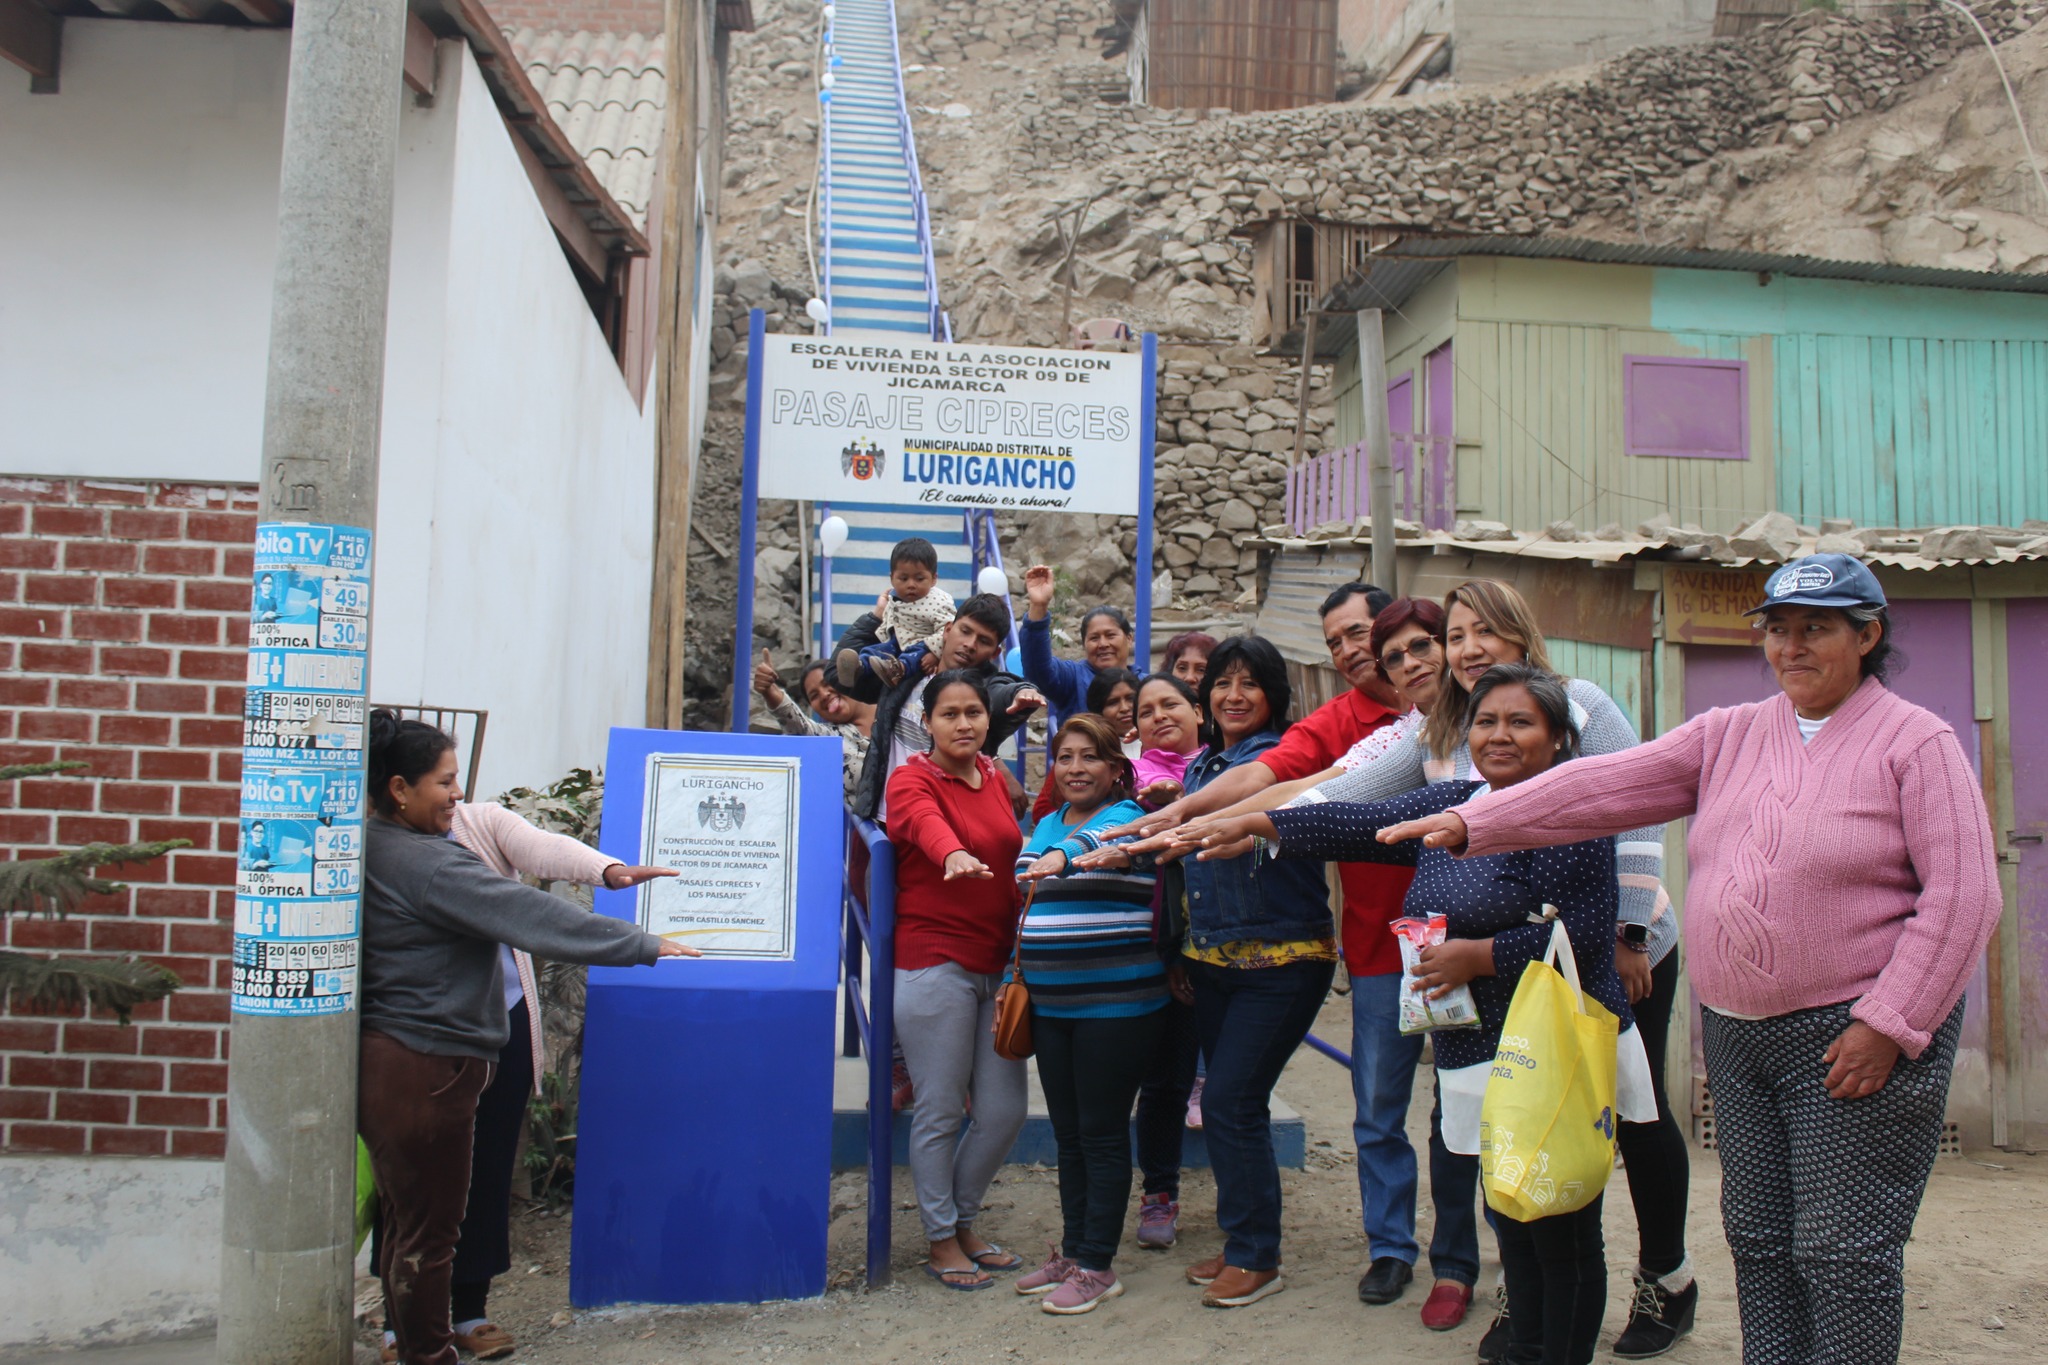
(434,1017)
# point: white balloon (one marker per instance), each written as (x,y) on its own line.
(828,80)
(831,12)
(993,581)
(818,312)
(832,534)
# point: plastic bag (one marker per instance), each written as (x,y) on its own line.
(1419,1014)
(1546,1126)
(366,1194)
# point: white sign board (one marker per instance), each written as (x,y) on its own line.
(940,424)
(728,826)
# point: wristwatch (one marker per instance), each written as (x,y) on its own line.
(1636,936)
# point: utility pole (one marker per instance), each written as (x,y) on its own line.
(287,1284)
(1372,378)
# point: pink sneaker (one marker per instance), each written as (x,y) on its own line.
(1082,1290)
(1158,1222)
(1195,1105)
(1047,1277)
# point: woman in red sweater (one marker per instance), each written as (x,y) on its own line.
(956,839)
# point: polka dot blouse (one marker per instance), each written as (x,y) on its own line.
(1490,897)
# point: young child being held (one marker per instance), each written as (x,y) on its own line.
(915,613)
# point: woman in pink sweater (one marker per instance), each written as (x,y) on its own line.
(511,847)
(1843,886)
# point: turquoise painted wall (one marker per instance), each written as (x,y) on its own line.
(1619,672)
(1893,405)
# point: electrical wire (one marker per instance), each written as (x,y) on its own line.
(2033,165)
(2026,140)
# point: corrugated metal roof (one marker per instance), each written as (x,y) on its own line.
(1397,272)
(609,93)
(1539,545)
(1756,262)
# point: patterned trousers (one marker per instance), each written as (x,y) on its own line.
(1818,1195)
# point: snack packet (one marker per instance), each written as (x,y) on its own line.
(1418,1013)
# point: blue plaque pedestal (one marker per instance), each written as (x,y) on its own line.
(704,1133)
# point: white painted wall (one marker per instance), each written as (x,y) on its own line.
(137,241)
(515,515)
(1499,40)
(516,526)
(138,226)
(107,1248)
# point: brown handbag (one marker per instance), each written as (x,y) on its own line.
(1013,998)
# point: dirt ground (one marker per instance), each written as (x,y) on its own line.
(1976,1276)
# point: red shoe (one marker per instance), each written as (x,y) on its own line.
(901,1095)
(1445,1307)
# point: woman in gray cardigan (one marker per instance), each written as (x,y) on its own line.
(433,1010)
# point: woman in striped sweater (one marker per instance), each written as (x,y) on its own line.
(1098,999)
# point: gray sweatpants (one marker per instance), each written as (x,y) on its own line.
(944,1020)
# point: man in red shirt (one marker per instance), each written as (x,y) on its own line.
(1383,1059)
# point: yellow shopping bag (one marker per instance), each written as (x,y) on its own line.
(1546,1126)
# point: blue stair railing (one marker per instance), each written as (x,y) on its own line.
(871,1018)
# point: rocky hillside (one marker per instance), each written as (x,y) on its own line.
(1867,139)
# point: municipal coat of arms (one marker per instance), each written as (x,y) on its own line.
(723,813)
(862,459)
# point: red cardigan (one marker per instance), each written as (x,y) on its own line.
(931,814)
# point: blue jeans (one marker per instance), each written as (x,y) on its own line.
(1251,1019)
(1383,1061)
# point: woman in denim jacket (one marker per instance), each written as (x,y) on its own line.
(1252,945)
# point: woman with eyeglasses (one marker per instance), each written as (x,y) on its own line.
(1487,622)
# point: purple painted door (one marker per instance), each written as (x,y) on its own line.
(1725,675)
(1932,668)
(1401,422)
(1436,477)
(2026,633)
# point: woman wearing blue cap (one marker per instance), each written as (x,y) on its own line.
(1843,887)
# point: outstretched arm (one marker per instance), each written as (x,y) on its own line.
(1349,832)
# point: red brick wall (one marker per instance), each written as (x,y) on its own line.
(124,615)
(599,16)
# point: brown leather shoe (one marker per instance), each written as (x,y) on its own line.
(1236,1287)
(1202,1272)
(487,1342)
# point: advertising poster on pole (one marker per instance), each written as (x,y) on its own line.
(946,425)
(299,868)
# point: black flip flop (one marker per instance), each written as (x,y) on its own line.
(940,1276)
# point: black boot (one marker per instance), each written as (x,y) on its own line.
(1493,1347)
(1657,1318)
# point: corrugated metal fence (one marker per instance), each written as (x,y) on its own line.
(1244,55)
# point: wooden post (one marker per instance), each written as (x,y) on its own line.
(676,350)
(1379,445)
(1308,360)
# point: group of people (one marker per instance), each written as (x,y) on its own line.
(1165,901)
(1167,908)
